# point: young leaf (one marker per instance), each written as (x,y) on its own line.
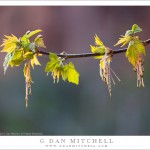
(29,47)
(30,34)
(71,73)
(128,35)
(24,39)
(7,59)
(35,61)
(9,44)
(32,47)
(51,66)
(14,58)
(53,57)
(124,40)
(134,50)
(53,63)
(17,58)
(98,41)
(39,41)
(99,48)
(128,32)
(28,55)
(134,54)
(57,68)
(136,28)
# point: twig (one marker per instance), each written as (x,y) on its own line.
(65,55)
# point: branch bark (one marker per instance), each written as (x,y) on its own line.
(65,55)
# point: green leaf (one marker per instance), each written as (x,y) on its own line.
(24,39)
(127,38)
(14,58)
(51,66)
(71,73)
(53,63)
(57,68)
(9,44)
(28,55)
(32,47)
(7,59)
(32,33)
(17,59)
(96,49)
(135,53)
(136,28)
(25,47)
(135,49)
(64,73)
(53,57)
(39,41)
(128,32)
(29,47)
(140,47)
(35,61)
(124,40)
(98,41)
(99,48)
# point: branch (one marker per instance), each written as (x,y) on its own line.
(65,55)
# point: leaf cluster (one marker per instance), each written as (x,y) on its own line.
(105,60)
(98,48)
(135,51)
(22,49)
(57,68)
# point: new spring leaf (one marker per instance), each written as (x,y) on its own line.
(9,43)
(57,67)
(135,51)
(99,48)
(105,60)
(71,73)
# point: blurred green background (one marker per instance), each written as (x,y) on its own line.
(64,108)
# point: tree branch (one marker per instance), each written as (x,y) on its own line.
(65,55)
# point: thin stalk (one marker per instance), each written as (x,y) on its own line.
(66,56)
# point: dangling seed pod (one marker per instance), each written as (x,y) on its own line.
(140,72)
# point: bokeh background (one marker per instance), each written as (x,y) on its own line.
(64,108)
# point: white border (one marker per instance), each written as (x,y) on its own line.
(75,142)
(75,3)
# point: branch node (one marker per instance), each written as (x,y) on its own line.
(64,55)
